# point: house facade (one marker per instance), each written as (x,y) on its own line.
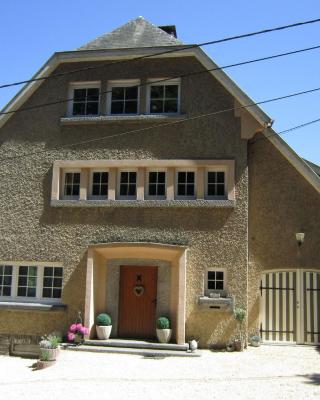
(134,182)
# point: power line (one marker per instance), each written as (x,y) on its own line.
(227,39)
(173,77)
(162,125)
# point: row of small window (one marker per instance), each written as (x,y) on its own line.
(24,281)
(124,98)
(215,280)
(156,184)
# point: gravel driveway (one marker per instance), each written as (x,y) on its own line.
(268,372)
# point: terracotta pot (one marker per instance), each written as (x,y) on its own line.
(164,335)
(238,345)
(103,332)
(49,354)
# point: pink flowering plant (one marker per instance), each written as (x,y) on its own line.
(77,330)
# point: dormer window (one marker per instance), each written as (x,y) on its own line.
(85,99)
(123,97)
(164,98)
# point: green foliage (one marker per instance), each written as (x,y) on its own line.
(239,314)
(50,342)
(163,323)
(103,320)
(44,356)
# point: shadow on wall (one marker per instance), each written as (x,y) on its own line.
(75,289)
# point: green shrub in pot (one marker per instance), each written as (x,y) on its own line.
(164,330)
(103,326)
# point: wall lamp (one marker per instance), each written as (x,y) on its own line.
(300,238)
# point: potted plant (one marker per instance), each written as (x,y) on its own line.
(239,315)
(49,350)
(77,332)
(255,340)
(164,330)
(103,326)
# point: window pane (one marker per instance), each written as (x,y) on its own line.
(31,292)
(211,275)
(124,177)
(96,177)
(211,285)
(93,95)
(181,177)
(104,177)
(95,190)
(220,190)
(131,93)
(152,189)
(190,177)
(22,291)
(79,95)
(6,291)
(220,177)
(123,189)
(92,109)
(1,269)
(161,177)
(171,106)
(104,190)
(76,178)
(181,190)
(7,270)
(79,109)
(117,107)
(47,282)
(156,106)
(7,280)
(23,270)
(190,190)
(161,190)
(219,275)
(132,177)
(46,292)
(117,93)
(32,281)
(157,92)
(57,282)
(76,190)
(1,280)
(172,91)
(22,281)
(131,107)
(132,190)
(33,271)
(152,177)
(48,271)
(56,293)
(211,177)
(219,285)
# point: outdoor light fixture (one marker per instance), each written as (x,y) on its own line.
(300,238)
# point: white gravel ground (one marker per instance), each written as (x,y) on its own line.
(268,372)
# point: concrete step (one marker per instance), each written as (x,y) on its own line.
(152,353)
(137,344)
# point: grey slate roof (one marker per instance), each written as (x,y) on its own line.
(315,167)
(135,33)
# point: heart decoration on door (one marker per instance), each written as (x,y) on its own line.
(138,290)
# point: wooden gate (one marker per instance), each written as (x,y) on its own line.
(137,301)
(289,306)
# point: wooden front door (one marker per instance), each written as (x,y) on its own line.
(137,301)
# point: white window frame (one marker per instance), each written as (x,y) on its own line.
(212,269)
(179,197)
(95,197)
(146,190)
(163,82)
(217,169)
(82,85)
(40,273)
(119,182)
(122,83)
(64,172)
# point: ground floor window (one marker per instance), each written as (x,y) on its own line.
(215,280)
(22,282)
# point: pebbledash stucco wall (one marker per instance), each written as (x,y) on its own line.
(32,230)
(281,203)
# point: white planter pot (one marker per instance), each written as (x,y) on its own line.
(164,335)
(103,332)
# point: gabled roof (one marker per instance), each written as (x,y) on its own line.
(315,167)
(135,33)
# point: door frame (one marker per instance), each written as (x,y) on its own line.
(299,299)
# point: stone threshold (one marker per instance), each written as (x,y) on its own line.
(137,344)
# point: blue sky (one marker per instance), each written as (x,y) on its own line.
(32,30)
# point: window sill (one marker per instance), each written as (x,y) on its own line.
(104,119)
(14,305)
(145,203)
(216,304)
